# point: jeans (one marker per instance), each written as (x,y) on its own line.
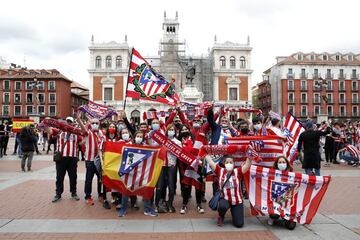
(237,212)
(90,172)
(309,171)
(66,164)
(166,179)
(29,157)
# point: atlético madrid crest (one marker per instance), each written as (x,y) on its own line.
(283,193)
(149,83)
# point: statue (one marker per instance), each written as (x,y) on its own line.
(190,73)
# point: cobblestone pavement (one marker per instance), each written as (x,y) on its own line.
(26,211)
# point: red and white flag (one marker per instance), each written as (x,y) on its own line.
(354,151)
(145,83)
(292,130)
(293,196)
(268,148)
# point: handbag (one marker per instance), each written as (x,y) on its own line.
(214,201)
(58,155)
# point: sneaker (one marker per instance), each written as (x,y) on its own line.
(75,197)
(135,206)
(56,198)
(200,209)
(220,221)
(326,165)
(29,169)
(106,205)
(122,212)
(23,169)
(183,209)
(90,201)
(150,212)
(171,209)
(162,209)
(118,206)
(270,221)
(203,199)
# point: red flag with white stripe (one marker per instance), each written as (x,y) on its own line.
(293,196)
(145,83)
(354,151)
(292,130)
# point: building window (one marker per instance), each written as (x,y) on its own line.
(312,57)
(98,62)
(40,85)
(108,92)
(316,73)
(6,98)
(354,86)
(242,62)
(232,62)
(290,70)
(304,111)
(299,57)
(337,57)
(29,98)
(108,62)
(354,98)
(355,111)
(342,86)
(52,110)
(29,85)
(290,85)
(353,73)
(135,116)
(342,98)
(17,98)
(291,109)
(29,110)
(329,98)
(303,73)
(329,85)
(222,62)
(118,62)
(325,57)
(316,110)
(303,98)
(52,98)
(233,94)
(18,86)
(350,57)
(328,73)
(41,110)
(41,97)
(316,98)
(6,110)
(51,85)
(342,111)
(17,110)
(303,85)
(6,85)
(291,98)
(330,110)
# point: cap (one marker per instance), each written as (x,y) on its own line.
(71,119)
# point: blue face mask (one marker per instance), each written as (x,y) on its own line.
(120,127)
(155,126)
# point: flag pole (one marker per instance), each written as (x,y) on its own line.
(127,84)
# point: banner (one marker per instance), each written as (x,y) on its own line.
(145,83)
(18,124)
(131,169)
(292,130)
(95,110)
(293,196)
(63,126)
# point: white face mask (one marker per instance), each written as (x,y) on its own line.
(171,133)
(138,140)
(196,125)
(282,166)
(125,136)
(258,126)
(229,167)
(155,126)
(95,127)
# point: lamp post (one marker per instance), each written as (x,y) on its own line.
(322,84)
(35,85)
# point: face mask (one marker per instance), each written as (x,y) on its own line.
(95,127)
(177,124)
(120,127)
(138,140)
(196,125)
(111,131)
(155,126)
(257,127)
(171,133)
(244,130)
(224,125)
(229,167)
(282,166)
(185,134)
(125,136)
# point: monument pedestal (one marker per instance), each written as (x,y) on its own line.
(191,94)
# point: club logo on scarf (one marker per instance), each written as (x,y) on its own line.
(283,193)
(131,158)
(149,83)
(257,145)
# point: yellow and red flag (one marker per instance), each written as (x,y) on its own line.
(18,124)
(132,169)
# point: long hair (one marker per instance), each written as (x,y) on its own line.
(288,168)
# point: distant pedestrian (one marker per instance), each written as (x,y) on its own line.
(28,143)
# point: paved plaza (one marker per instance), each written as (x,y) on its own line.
(26,211)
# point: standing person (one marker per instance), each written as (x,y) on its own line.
(7,130)
(230,187)
(2,137)
(310,139)
(28,143)
(337,135)
(67,145)
(45,139)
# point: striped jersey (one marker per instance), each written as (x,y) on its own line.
(93,144)
(71,142)
(232,189)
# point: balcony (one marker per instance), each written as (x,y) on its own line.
(342,76)
(317,101)
(329,88)
(316,75)
(316,89)
(291,101)
(6,89)
(330,101)
(329,76)
(290,75)
(355,101)
(342,89)
(290,87)
(304,101)
(355,76)
(355,114)
(52,114)
(355,89)
(6,101)
(303,114)
(342,101)
(303,88)
(303,75)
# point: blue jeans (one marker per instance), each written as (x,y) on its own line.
(237,212)
(90,172)
(309,171)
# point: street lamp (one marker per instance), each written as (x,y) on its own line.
(35,84)
(322,84)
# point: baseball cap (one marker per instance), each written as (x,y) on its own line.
(69,118)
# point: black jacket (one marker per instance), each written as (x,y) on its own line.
(28,140)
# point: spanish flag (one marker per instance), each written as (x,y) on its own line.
(132,169)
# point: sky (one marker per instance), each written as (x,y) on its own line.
(56,34)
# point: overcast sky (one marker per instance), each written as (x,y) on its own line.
(56,34)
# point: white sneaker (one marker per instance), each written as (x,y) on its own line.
(183,209)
